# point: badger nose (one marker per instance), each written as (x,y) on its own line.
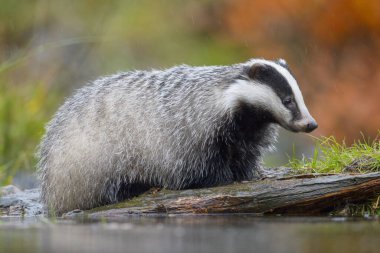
(312,125)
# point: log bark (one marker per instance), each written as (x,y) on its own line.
(292,195)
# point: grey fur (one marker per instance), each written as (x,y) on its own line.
(124,133)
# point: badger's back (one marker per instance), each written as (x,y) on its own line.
(125,133)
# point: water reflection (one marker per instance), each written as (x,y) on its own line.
(243,233)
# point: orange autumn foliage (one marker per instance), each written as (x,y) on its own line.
(333,46)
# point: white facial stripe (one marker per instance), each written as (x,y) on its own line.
(292,82)
(256,94)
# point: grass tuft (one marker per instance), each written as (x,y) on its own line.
(330,156)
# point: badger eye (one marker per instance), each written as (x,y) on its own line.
(287,101)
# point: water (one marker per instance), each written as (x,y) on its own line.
(233,233)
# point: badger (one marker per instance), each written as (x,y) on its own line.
(178,128)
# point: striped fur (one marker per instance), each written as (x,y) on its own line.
(183,127)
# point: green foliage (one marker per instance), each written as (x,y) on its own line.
(330,156)
(23,112)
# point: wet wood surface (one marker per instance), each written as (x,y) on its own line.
(310,194)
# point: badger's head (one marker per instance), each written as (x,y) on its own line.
(270,87)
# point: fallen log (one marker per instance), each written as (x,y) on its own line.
(311,194)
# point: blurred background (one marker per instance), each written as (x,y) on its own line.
(49,48)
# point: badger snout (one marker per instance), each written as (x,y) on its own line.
(307,125)
(311,126)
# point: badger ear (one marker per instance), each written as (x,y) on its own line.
(255,70)
(282,63)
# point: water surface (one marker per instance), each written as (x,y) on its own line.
(230,233)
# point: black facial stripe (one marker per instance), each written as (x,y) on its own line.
(296,113)
(268,75)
